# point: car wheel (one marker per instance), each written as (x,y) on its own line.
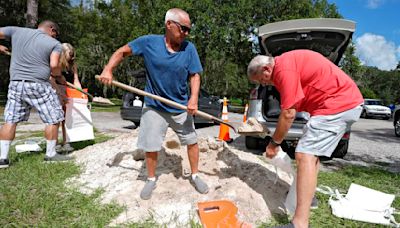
(290,150)
(252,143)
(364,114)
(397,127)
(341,149)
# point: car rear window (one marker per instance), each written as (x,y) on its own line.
(373,103)
(322,42)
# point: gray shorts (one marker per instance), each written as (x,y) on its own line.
(22,96)
(323,133)
(154,125)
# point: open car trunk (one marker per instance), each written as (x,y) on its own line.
(328,36)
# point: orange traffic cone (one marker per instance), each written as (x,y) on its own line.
(224,129)
(245,113)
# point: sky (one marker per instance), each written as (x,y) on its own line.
(377,35)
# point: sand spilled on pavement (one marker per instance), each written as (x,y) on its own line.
(231,174)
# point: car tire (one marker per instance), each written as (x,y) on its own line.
(341,149)
(397,127)
(252,143)
(364,114)
(290,150)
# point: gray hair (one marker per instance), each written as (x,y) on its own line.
(175,14)
(257,62)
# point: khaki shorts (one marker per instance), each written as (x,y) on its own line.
(323,133)
(154,125)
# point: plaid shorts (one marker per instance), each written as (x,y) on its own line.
(23,95)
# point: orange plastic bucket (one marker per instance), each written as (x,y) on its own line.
(73,93)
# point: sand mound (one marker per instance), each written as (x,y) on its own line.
(231,174)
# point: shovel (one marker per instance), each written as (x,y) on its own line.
(168,102)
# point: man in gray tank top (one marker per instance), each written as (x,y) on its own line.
(34,60)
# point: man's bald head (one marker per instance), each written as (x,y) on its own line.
(50,28)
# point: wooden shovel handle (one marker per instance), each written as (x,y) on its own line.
(168,102)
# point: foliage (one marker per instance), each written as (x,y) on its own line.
(368,93)
(385,84)
(223,31)
(352,65)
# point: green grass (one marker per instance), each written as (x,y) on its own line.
(96,107)
(33,193)
(374,178)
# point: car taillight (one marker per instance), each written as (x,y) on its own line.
(253,94)
(346,135)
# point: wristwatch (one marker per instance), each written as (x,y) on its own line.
(272,141)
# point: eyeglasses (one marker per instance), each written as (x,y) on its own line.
(183,28)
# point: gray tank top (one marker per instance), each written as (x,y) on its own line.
(31,50)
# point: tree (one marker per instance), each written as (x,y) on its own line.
(32,13)
(351,64)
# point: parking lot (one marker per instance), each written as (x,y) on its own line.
(372,141)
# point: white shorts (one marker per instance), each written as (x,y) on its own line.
(323,133)
(154,125)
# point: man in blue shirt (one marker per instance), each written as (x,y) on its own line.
(170,61)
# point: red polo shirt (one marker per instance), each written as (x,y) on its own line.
(310,82)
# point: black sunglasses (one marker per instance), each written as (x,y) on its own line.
(182,27)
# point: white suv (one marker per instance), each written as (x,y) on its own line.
(375,108)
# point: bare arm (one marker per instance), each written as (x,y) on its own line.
(119,55)
(55,69)
(285,121)
(3,49)
(76,78)
(194,94)
(2,36)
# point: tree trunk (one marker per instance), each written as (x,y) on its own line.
(32,13)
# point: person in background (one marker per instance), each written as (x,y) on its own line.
(170,61)
(36,54)
(307,81)
(69,71)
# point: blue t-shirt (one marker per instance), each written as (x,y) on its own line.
(167,72)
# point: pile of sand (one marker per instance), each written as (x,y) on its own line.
(230,172)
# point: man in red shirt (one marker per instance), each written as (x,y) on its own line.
(307,81)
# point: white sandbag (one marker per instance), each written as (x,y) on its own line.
(78,121)
(364,204)
(27,147)
(291,198)
(282,161)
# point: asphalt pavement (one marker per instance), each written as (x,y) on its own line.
(372,141)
